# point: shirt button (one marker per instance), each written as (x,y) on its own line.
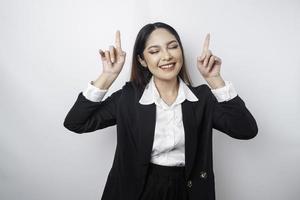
(203,174)
(189,183)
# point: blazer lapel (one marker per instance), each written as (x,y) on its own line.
(146,127)
(190,130)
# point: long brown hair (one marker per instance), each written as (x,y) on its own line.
(141,75)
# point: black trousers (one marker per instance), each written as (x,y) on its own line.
(165,183)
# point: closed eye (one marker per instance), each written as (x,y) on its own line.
(174,47)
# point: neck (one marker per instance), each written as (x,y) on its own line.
(167,87)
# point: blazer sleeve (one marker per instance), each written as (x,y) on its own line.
(87,116)
(233,118)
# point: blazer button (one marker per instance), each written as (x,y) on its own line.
(189,184)
(203,174)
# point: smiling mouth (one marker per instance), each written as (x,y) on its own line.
(167,66)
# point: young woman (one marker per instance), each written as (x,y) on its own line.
(164,124)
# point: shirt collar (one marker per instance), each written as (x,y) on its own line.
(151,94)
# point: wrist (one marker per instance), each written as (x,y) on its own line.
(104,81)
(215,82)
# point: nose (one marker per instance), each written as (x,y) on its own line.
(166,55)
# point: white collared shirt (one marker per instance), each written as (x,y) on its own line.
(168,144)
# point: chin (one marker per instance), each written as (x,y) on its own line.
(166,77)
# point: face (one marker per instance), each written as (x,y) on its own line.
(162,55)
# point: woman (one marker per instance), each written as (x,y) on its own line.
(164,125)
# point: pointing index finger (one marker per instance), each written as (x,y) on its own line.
(206,42)
(118,40)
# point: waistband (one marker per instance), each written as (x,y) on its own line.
(167,171)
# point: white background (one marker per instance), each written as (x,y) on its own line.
(49,52)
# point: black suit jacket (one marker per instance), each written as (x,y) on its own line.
(135,132)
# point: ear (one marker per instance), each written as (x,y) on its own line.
(143,63)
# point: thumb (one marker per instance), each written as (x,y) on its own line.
(123,53)
(201,58)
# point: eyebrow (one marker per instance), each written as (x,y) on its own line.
(158,45)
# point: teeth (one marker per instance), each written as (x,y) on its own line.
(167,66)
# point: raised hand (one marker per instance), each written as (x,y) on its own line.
(114,58)
(208,64)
